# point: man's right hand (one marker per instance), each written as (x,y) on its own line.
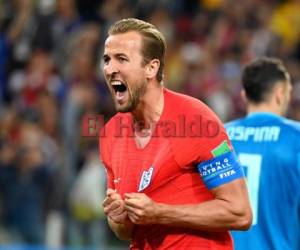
(114,207)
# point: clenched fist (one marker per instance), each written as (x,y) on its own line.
(114,207)
(141,209)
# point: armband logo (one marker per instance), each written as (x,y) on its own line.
(222,148)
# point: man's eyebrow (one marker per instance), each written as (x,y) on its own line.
(120,54)
(105,56)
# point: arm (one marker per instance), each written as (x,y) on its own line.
(122,231)
(117,217)
(113,203)
(230,210)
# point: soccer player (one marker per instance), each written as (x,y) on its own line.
(173,180)
(268,146)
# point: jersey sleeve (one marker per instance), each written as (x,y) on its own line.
(210,152)
(105,146)
(204,138)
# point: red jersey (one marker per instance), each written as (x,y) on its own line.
(165,169)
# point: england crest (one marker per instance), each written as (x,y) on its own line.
(145,179)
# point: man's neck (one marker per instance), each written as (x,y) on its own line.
(150,108)
(147,115)
(263,107)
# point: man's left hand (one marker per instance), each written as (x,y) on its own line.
(141,209)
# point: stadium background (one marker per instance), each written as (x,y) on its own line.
(51,183)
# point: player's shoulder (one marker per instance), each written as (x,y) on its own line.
(183,101)
(291,125)
(202,131)
(234,123)
(187,105)
(289,129)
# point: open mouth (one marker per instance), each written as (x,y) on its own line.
(119,86)
(120,91)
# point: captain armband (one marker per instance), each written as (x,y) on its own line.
(220,170)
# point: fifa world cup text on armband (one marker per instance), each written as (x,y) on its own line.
(256,134)
(215,167)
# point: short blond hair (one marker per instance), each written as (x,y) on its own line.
(153,41)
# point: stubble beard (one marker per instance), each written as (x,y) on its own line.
(134,97)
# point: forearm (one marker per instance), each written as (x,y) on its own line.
(122,231)
(214,215)
(230,209)
(116,215)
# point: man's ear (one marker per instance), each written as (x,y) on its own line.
(152,68)
(243,96)
(279,91)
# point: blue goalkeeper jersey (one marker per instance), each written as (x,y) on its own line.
(268,147)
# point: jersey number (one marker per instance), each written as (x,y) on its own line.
(252,163)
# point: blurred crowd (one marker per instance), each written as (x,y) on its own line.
(51,179)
